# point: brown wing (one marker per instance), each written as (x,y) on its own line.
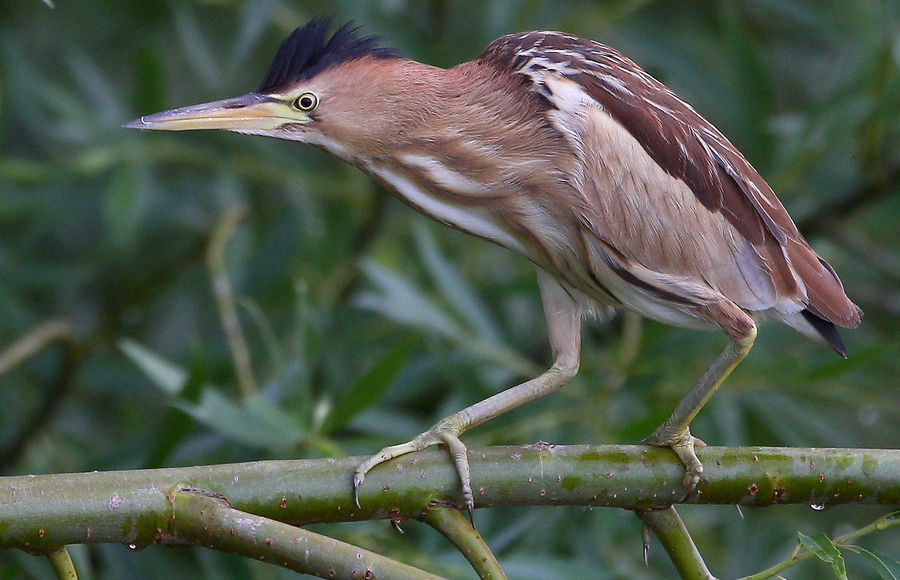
(690,149)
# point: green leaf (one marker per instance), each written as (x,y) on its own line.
(876,561)
(125,202)
(456,290)
(825,550)
(264,328)
(167,376)
(254,421)
(370,387)
(398,299)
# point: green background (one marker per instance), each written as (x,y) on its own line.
(365,322)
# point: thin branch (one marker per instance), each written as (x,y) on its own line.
(455,527)
(880,524)
(208,520)
(36,340)
(40,337)
(224,295)
(62,564)
(674,536)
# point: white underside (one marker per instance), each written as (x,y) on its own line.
(468,219)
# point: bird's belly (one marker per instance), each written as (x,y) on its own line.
(661,311)
(648,302)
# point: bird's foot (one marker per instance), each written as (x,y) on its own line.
(682,444)
(446,431)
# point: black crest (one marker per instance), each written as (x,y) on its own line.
(308,51)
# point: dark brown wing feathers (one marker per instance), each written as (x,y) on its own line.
(690,148)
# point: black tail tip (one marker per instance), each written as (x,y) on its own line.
(827,331)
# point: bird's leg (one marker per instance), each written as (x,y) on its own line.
(675,432)
(448,430)
(564,325)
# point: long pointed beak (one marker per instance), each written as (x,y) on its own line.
(250,112)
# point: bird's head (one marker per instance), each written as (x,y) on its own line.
(326,91)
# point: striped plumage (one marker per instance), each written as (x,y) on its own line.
(566,152)
(744,249)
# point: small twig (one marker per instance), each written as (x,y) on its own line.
(797,556)
(678,543)
(29,345)
(455,527)
(33,342)
(207,519)
(62,564)
(224,295)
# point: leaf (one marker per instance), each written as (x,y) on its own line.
(125,203)
(167,376)
(265,330)
(876,561)
(370,387)
(403,302)
(254,18)
(254,421)
(205,66)
(826,551)
(398,299)
(460,294)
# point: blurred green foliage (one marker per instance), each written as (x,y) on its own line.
(364,322)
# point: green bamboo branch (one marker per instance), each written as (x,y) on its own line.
(205,519)
(455,527)
(882,523)
(676,540)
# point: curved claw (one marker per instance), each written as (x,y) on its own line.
(416,444)
(645,543)
(690,481)
(357,481)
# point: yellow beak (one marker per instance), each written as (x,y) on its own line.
(252,112)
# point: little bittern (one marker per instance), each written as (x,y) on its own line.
(566,152)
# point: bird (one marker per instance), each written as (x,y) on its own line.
(566,152)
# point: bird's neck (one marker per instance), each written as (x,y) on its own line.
(465,149)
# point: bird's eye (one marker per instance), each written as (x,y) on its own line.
(306,102)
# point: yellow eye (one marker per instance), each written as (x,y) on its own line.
(306,102)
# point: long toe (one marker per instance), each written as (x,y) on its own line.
(416,444)
(446,431)
(460,456)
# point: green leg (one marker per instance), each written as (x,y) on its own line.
(675,432)
(564,325)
